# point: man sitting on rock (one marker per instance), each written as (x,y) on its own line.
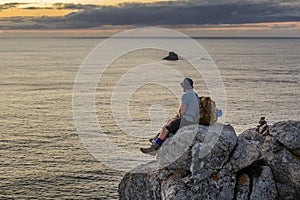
(187,115)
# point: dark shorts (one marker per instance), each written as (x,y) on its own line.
(176,124)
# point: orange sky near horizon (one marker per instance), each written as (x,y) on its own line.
(19,11)
(96,2)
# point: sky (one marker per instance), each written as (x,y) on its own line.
(220,17)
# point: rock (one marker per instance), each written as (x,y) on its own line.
(280,156)
(256,183)
(175,153)
(173,189)
(242,187)
(144,182)
(286,191)
(171,56)
(212,163)
(264,187)
(286,171)
(216,187)
(287,133)
(247,151)
(199,149)
(209,155)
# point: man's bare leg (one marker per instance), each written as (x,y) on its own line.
(163,134)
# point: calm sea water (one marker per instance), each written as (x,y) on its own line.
(41,154)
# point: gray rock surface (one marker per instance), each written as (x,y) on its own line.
(242,187)
(175,153)
(209,155)
(247,151)
(143,182)
(212,163)
(216,187)
(286,171)
(288,135)
(264,187)
(173,189)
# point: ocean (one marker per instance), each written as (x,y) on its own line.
(43,155)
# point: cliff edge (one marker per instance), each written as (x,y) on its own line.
(202,162)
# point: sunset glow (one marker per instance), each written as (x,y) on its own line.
(48,8)
(18,12)
(193,15)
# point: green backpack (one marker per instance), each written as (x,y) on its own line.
(208,111)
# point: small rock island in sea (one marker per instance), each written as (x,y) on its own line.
(172,56)
(254,165)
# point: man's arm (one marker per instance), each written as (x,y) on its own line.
(181,109)
(184,101)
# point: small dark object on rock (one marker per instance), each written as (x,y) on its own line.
(171,56)
(262,121)
(262,128)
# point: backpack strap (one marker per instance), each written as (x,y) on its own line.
(197,118)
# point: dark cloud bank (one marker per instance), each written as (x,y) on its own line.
(161,13)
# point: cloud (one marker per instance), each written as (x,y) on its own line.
(72,6)
(284,26)
(64,6)
(37,8)
(10,5)
(165,13)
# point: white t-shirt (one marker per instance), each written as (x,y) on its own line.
(191,100)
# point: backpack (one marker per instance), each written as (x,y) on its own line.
(208,111)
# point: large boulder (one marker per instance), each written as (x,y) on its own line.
(198,149)
(144,182)
(287,133)
(175,153)
(212,163)
(285,169)
(210,155)
(247,151)
(173,189)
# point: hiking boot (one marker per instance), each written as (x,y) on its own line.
(151,150)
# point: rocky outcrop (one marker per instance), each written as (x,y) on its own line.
(171,56)
(202,162)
